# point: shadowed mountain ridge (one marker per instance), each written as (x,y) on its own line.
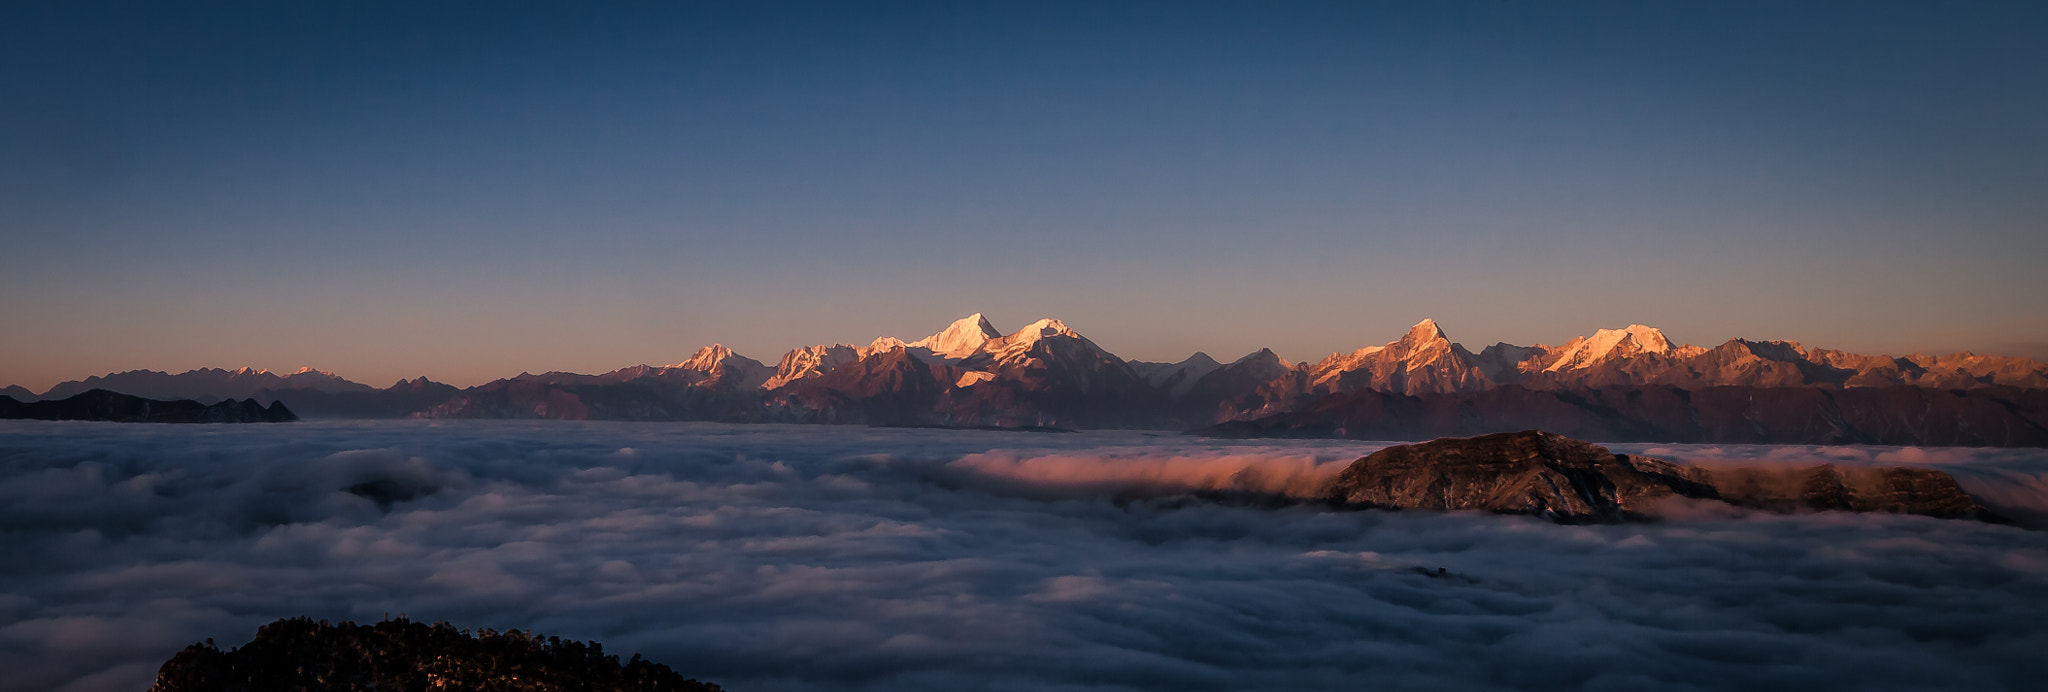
(1623,384)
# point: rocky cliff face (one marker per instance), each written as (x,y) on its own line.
(1570,481)
(1176,379)
(1516,473)
(1422,361)
(893,386)
(1829,487)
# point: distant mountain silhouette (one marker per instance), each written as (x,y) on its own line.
(405,656)
(1986,417)
(208,384)
(402,399)
(102,405)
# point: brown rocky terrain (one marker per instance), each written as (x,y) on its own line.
(1532,472)
(1570,481)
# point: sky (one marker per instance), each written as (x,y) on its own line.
(470,190)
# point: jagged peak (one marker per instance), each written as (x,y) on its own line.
(706,358)
(1360,353)
(1648,338)
(1049,326)
(1028,338)
(1772,349)
(805,362)
(1264,355)
(881,344)
(1584,351)
(961,338)
(1426,330)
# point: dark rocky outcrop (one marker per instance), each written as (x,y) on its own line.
(1570,481)
(1829,487)
(1516,473)
(102,405)
(405,656)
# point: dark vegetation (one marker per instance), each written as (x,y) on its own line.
(400,655)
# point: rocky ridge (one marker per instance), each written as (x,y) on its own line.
(1569,481)
(103,405)
(1612,382)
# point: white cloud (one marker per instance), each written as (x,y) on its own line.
(799,558)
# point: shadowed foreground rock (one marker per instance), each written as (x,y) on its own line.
(103,405)
(404,656)
(1570,481)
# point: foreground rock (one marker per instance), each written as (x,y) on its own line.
(103,405)
(405,656)
(1570,481)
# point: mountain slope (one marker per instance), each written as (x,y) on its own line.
(1423,360)
(206,384)
(1176,379)
(1047,374)
(103,405)
(1982,417)
(960,339)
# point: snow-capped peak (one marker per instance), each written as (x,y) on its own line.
(1633,339)
(961,338)
(881,344)
(1022,340)
(706,359)
(1044,328)
(810,361)
(1426,330)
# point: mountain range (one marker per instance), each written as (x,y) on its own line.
(1048,375)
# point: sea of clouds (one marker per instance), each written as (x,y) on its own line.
(833,558)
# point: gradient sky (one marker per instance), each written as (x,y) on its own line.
(469,190)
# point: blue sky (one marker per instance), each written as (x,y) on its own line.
(469,190)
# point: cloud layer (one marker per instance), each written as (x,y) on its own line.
(816,558)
